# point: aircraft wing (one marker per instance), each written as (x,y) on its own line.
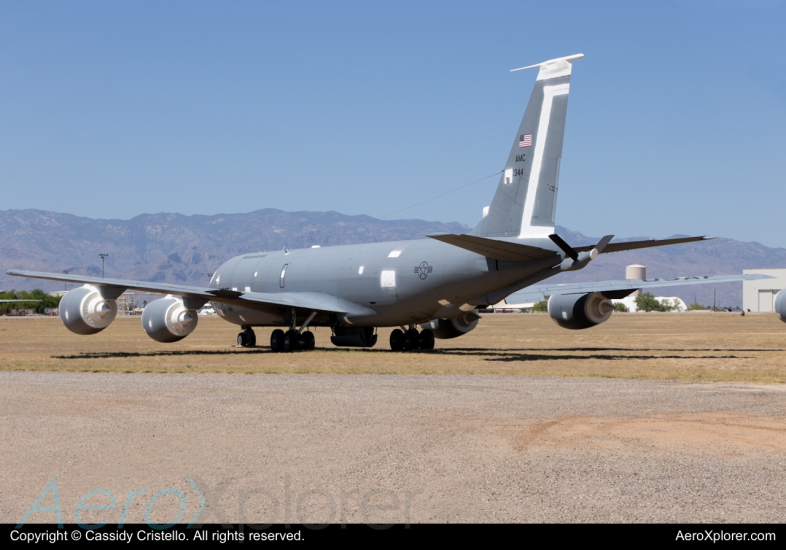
(314,301)
(617,290)
(10,301)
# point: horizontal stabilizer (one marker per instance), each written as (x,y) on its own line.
(619,289)
(633,245)
(496,250)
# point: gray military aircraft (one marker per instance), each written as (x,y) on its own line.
(436,284)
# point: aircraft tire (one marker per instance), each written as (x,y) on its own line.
(397,340)
(277,340)
(291,341)
(247,339)
(411,339)
(308,340)
(426,339)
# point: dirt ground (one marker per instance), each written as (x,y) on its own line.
(653,418)
(408,448)
(686,347)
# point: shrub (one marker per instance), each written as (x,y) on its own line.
(646,302)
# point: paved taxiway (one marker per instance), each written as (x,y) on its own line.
(395,448)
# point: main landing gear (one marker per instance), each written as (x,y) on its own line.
(293,339)
(405,340)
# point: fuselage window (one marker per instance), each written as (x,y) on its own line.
(283,275)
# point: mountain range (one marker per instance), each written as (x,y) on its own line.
(183,249)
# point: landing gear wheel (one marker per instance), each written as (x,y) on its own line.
(397,340)
(277,340)
(308,340)
(247,339)
(411,339)
(426,339)
(291,341)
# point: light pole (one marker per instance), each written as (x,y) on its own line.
(64,282)
(209,275)
(103,256)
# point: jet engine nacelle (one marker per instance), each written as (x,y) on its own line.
(577,311)
(780,305)
(84,311)
(452,328)
(168,320)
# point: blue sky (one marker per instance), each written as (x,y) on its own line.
(675,124)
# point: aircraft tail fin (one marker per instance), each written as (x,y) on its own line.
(526,198)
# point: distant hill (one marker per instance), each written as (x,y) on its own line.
(183,249)
(176,248)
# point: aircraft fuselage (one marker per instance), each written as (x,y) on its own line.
(391,284)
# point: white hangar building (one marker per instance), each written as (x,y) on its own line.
(758,296)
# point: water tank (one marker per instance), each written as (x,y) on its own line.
(635,271)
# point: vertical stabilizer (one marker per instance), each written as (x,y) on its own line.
(526,199)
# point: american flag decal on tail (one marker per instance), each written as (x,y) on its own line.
(525,141)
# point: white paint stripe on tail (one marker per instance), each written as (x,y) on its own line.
(528,230)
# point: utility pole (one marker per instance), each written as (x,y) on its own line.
(103,256)
(64,283)
(210,275)
(713,299)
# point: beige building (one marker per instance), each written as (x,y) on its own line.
(759,295)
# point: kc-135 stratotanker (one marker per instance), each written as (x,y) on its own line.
(434,284)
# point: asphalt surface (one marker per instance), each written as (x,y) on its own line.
(366,448)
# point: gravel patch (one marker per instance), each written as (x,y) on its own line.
(365,448)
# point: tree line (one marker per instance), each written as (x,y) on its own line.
(46,301)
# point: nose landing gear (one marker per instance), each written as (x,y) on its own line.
(247,338)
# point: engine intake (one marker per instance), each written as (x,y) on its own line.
(578,311)
(84,311)
(452,328)
(168,320)
(780,305)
